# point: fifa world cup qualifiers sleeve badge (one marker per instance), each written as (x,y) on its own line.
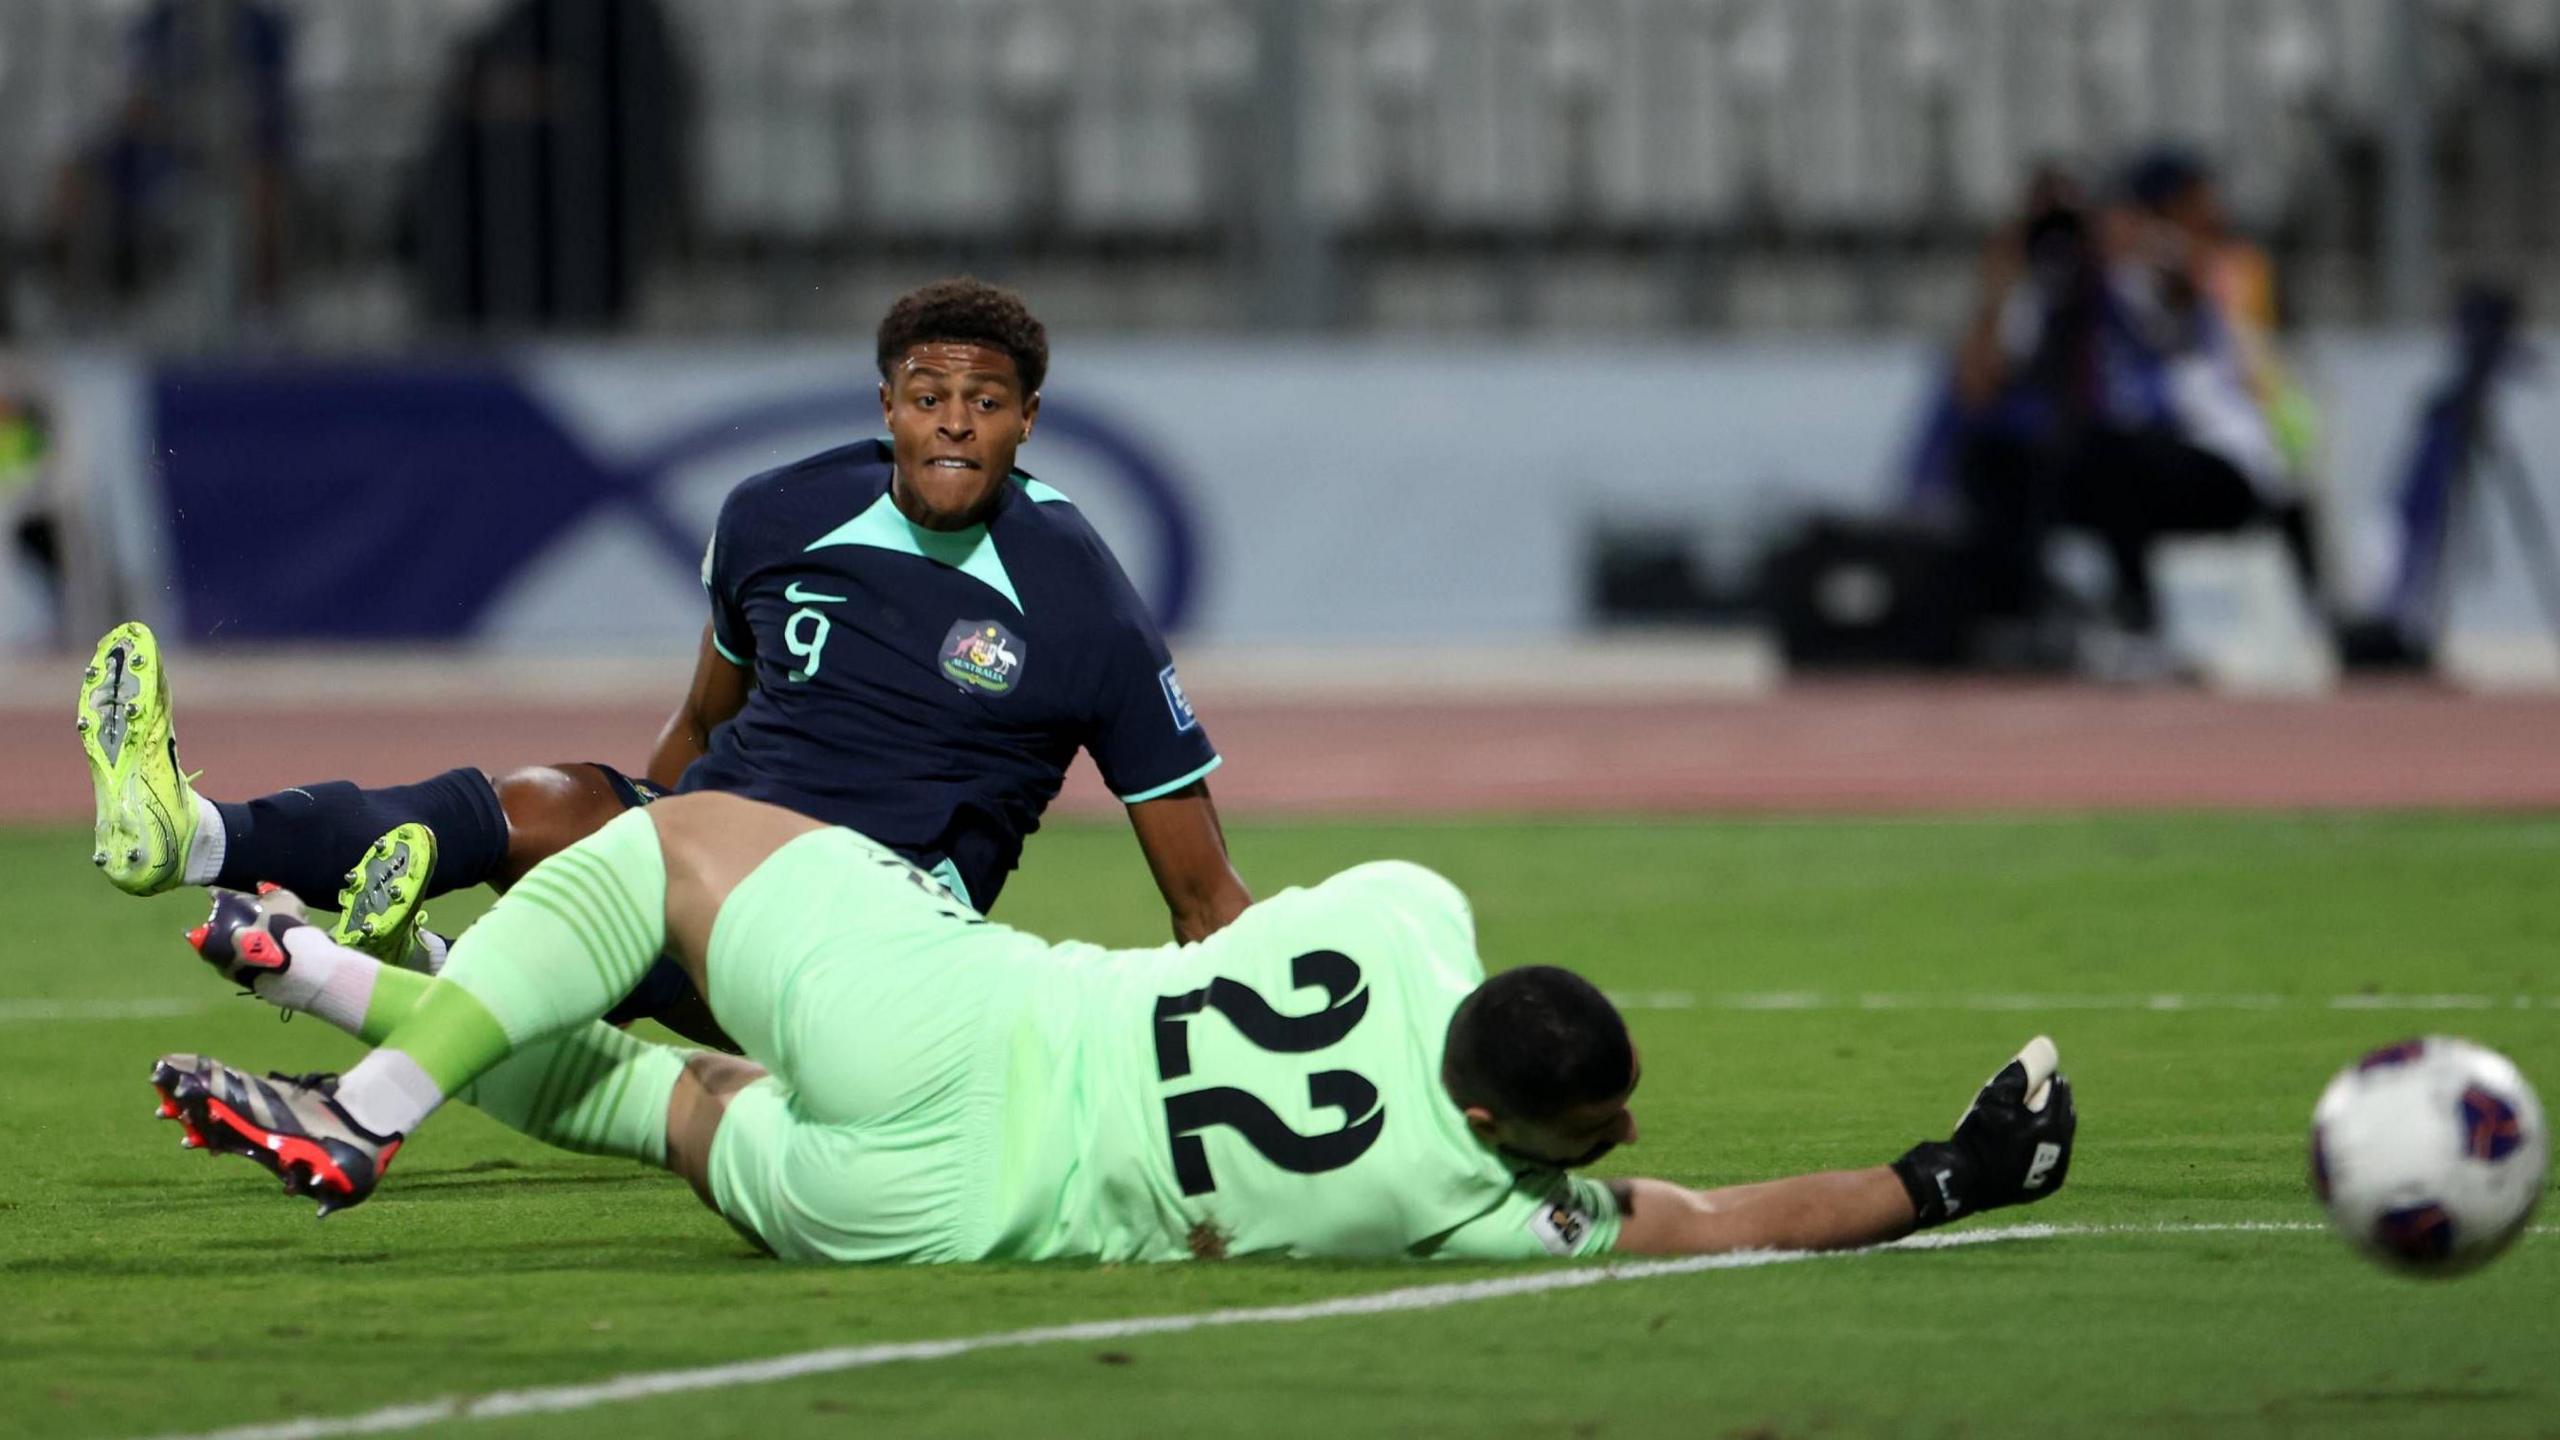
(1185,719)
(1558,1223)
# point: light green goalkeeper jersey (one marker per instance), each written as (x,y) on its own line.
(1274,1089)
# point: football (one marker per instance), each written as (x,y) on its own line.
(2429,1154)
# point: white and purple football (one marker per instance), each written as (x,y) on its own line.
(2429,1154)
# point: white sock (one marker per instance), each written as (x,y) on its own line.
(326,979)
(388,1093)
(206,851)
(427,953)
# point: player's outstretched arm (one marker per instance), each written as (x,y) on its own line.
(717,694)
(2012,1146)
(1186,851)
(1835,1210)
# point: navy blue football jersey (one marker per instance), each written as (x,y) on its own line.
(929,688)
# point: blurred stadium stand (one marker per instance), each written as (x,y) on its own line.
(1440,166)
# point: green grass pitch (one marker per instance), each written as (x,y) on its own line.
(144,1290)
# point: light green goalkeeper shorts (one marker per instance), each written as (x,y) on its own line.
(879,1004)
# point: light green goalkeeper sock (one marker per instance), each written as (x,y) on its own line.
(555,953)
(593,1090)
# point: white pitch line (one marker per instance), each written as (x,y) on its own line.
(31,1012)
(1772,1000)
(555,1399)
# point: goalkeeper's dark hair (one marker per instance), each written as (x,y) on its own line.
(1535,1042)
(969,311)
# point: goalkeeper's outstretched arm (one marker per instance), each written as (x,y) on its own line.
(1835,1210)
(2011,1147)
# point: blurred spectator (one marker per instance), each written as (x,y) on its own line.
(2117,378)
(31,567)
(207,110)
(554,169)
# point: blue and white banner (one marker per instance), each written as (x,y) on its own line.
(1298,494)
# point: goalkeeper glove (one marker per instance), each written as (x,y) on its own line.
(2012,1147)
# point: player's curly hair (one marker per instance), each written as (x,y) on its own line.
(971,311)
(1538,1041)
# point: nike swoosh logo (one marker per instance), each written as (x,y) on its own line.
(797,596)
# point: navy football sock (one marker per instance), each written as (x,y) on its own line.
(307,838)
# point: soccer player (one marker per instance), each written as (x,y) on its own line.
(908,636)
(1331,1075)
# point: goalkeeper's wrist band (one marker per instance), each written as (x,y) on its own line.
(1936,1176)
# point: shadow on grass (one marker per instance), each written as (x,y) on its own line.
(256,1259)
(2389,1394)
(504,1174)
(453,1182)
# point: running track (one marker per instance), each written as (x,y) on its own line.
(1826,748)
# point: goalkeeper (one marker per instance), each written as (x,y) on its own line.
(1331,1075)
